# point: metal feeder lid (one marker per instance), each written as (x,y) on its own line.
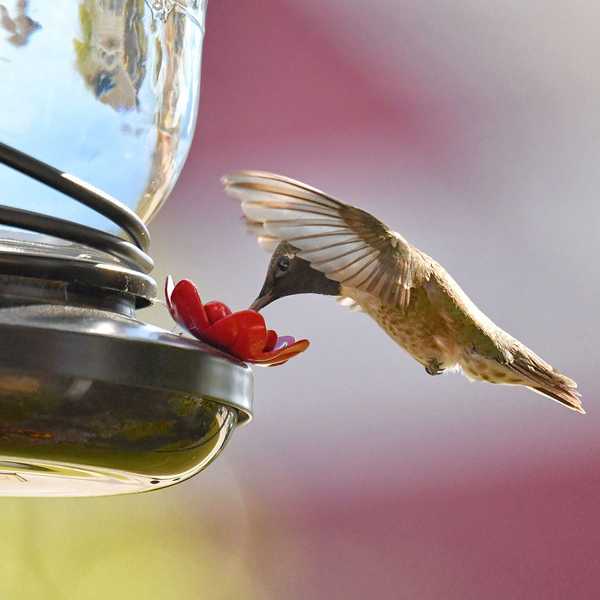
(94,402)
(97,344)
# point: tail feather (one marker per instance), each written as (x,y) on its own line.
(540,377)
(569,398)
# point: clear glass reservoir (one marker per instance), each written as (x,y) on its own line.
(106,90)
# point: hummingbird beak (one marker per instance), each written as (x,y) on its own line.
(262,301)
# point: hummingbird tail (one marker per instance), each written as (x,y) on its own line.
(540,377)
(570,399)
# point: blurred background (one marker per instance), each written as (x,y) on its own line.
(473,129)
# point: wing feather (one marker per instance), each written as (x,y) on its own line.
(345,243)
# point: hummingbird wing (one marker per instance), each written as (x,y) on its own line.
(345,243)
(267,242)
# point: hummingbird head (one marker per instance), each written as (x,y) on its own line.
(289,274)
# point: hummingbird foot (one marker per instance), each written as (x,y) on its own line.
(434,367)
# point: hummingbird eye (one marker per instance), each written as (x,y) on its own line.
(283,264)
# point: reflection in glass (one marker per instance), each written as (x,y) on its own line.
(111,56)
(20,26)
(106,90)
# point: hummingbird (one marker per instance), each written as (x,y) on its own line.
(324,246)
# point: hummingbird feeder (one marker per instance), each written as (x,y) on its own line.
(99,95)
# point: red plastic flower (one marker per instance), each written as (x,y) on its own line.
(243,334)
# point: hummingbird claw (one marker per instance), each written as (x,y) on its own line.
(434,367)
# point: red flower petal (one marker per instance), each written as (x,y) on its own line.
(242,333)
(253,336)
(188,308)
(271,340)
(275,358)
(215,311)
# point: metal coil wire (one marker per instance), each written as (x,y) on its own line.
(132,278)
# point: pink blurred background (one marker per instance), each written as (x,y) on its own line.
(473,129)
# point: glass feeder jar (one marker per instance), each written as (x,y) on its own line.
(98,104)
(106,90)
